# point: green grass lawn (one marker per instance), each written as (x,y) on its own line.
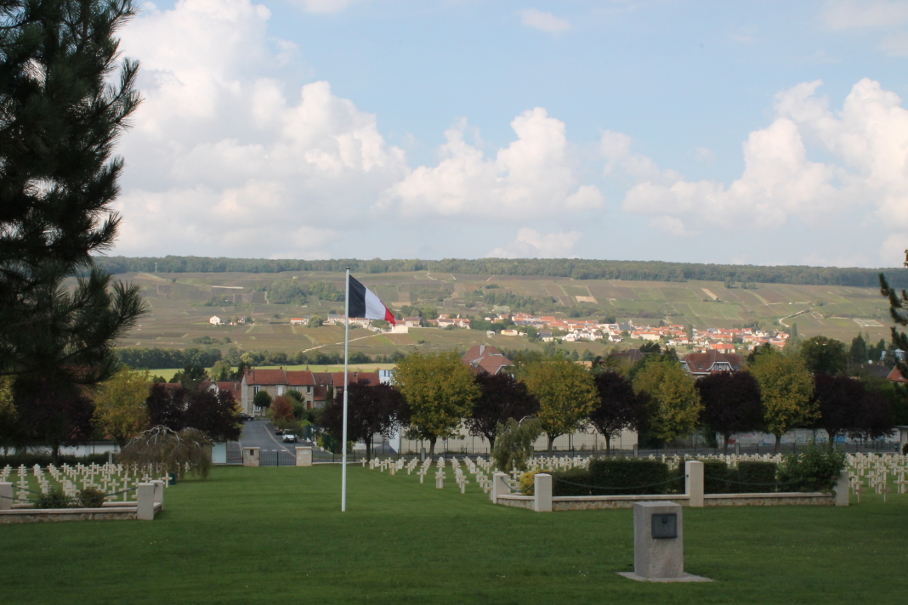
(276,535)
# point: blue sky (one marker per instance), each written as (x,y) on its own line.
(651,130)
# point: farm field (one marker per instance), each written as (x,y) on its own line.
(181,305)
(276,535)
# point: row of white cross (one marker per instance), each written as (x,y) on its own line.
(865,470)
(108,478)
(873,471)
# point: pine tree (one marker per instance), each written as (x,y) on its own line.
(59,119)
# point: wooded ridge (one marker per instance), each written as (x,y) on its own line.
(574,268)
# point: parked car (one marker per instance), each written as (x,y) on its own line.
(245,417)
(289,438)
(278,431)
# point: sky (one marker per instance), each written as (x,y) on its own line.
(694,131)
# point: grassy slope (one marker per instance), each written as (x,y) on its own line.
(275,535)
(178,314)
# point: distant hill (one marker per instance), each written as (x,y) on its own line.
(580,269)
(182,303)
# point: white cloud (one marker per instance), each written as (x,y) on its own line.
(705,155)
(893,250)
(871,15)
(547,22)
(532,244)
(867,138)
(325,6)
(531,178)
(222,160)
(865,14)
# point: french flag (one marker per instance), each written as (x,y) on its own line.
(363,303)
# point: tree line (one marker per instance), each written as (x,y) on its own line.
(748,275)
(432,394)
(119,408)
(152,358)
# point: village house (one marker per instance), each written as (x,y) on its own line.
(712,362)
(276,383)
(484,358)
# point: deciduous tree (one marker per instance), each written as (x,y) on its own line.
(439,390)
(847,406)
(618,406)
(214,414)
(371,410)
(674,405)
(120,407)
(786,389)
(217,415)
(53,417)
(281,411)
(731,403)
(858,353)
(262,399)
(501,398)
(824,355)
(566,393)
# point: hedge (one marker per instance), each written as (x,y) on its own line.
(761,476)
(616,476)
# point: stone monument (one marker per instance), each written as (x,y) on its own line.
(659,544)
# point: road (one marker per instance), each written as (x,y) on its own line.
(260,433)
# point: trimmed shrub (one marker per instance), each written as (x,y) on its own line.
(715,477)
(528,482)
(54,498)
(614,476)
(90,497)
(814,469)
(761,477)
(575,482)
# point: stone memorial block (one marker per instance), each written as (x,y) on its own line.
(304,456)
(250,456)
(145,497)
(6,496)
(500,487)
(542,493)
(659,544)
(841,489)
(693,483)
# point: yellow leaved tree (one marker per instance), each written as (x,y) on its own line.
(566,392)
(120,408)
(674,404)
(439,391)
(786,388)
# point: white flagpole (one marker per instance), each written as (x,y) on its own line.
(344,432)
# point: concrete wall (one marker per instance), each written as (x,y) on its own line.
(463,442)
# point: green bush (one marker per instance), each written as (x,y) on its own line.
(575,482)
(614,476)
(715,477)
(814,469)
(90,497)
(761,477)
(54,498)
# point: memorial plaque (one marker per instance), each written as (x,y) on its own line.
(665,525)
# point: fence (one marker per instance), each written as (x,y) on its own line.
(276,458)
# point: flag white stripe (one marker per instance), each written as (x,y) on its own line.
(374,307)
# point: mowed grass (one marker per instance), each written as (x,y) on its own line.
(276,535)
